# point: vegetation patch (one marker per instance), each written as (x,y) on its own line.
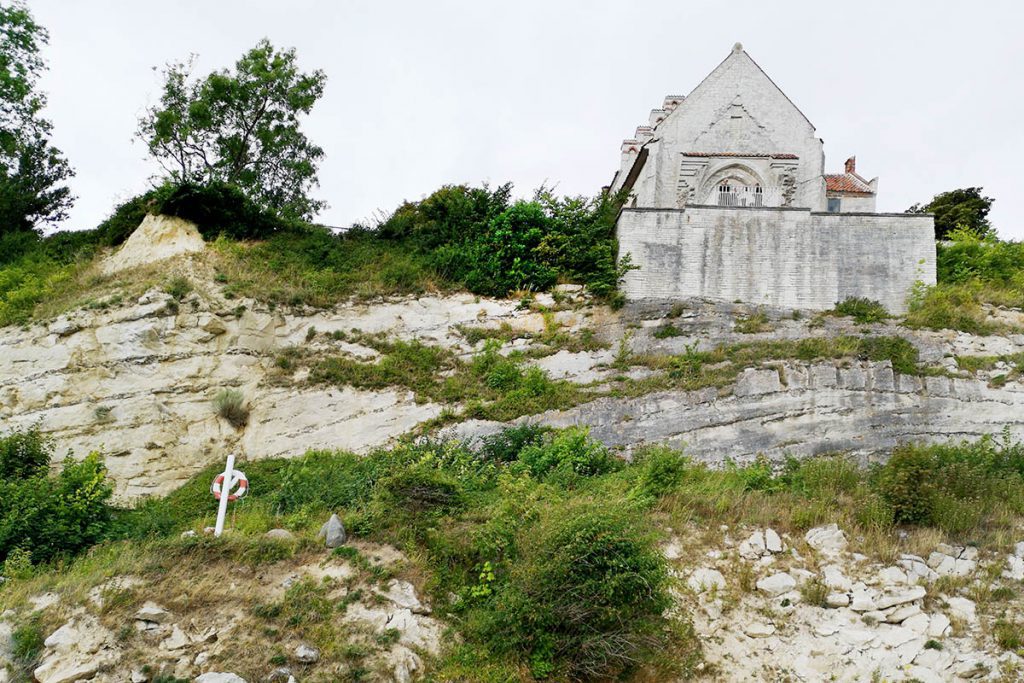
(862,310)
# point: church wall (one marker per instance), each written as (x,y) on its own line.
(784,257)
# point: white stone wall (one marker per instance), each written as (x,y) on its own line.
(857,203)
(777,257)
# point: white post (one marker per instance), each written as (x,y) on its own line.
(225,490)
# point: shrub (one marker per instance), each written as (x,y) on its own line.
(230,404)
(24,454)
(586,594)
(506,445)
(412,491)
(505,258)
(861,309)
(955,486)
(949,306)
(219,208)
(661,470)
(814,592)
(567,456)
(48,516)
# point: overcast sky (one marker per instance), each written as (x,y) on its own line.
(928,95)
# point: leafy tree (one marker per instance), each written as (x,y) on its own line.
(242,128)
(33,173)
(965,208)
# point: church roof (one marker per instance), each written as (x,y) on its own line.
(846,182)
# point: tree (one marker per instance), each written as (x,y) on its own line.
(33,173)
(241,128)
(963,208)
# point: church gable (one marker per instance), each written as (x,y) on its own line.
(735,130)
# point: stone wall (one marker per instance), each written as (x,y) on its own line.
(775,256)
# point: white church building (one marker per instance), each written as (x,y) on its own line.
(728,200)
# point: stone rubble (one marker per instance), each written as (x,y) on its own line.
(876,622)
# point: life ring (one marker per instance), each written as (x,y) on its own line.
(237,477)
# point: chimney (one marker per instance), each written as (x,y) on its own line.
(851,165)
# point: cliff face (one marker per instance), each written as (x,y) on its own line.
(137,382)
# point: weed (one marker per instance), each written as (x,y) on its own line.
(861,309)
(230,405)
(178,287)
(753,324)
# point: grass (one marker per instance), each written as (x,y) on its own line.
(319,270)
(862,310)
(493,537)
(230,405)
(490,386)
(753,323)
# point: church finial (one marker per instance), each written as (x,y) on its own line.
(738,47)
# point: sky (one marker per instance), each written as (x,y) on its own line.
(927,95)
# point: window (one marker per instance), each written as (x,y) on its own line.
(725,195)
(833,204)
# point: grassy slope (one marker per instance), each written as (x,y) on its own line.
(468,524)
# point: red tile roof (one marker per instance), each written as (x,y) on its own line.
(846,182)
(740,154)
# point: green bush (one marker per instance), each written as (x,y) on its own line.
(861,309)
(24,454)
(218,208)
(506,445)
(47,516)
(586,595)
(568,456)
(661,470)
(953,486)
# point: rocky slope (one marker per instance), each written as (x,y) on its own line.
(136,380)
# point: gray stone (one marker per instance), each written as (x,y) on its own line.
(837,600)
(759,629)
(938,626)
(152,612)
(333,532)
(219,677)
(772,542)
(280,535)
(705,579)
(827,539)
(753,382)
(776,584)
(963,609)
(904,596)
(307,654)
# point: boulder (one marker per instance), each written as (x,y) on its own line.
(152,612)
(218,677)
(403,594)
(307,654)
(777,584)
(826,539)
(280,535)
(333,532)
(705,579)
(156,238)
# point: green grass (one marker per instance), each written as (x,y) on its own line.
(317,269)
(490,386)
(530,526)
(862,310)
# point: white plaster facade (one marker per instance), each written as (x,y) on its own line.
(738,144)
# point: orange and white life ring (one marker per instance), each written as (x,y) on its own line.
(237,478)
